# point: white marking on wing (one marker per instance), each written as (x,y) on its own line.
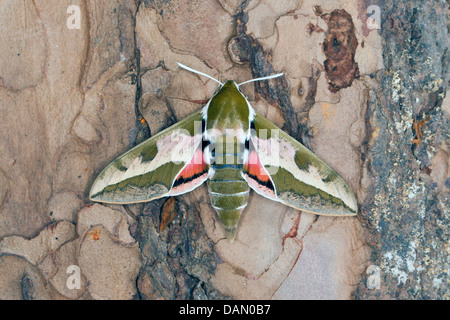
(111,174)
(133,170)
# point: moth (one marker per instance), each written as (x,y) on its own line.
(233,149)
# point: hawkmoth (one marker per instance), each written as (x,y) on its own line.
(233,149)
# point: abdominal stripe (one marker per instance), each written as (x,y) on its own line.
(230,194)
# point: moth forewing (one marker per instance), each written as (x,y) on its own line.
(302,180)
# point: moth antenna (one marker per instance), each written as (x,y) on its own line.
(262,79)
(198,72)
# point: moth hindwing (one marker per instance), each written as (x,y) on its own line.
(234,149)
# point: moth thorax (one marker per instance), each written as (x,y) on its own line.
(227,150)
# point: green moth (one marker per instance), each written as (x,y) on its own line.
(234,149)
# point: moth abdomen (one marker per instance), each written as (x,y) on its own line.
(229,193)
